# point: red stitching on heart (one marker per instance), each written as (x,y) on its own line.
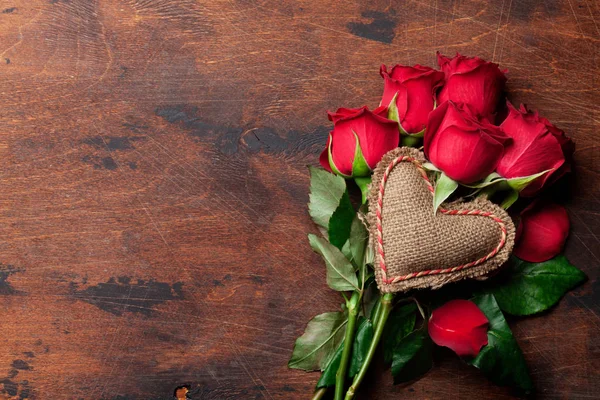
(482,213)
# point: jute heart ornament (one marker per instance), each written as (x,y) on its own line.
(417,248)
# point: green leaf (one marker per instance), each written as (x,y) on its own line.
(340,272)
(511,197)
(369,255)
(362,341)
(515,184)
(501,360)
(360,347)
(412,356)
(328,375)
(326,191)
(359,164)
(430,167)
(341,222)
(346,250)
(534,287)
(400,323)
(521,183)
(358,240)
(371,296)
(444,187)
(489,180)
(316,347)
(363,184)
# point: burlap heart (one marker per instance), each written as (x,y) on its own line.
(416,248)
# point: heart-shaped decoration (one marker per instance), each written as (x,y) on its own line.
(417,248)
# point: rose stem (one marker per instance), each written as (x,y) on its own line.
(386,308)
(410,141)
(376,311)
(319,393)
(340,377)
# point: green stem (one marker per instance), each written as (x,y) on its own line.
(363,184)
(319,393)
(410,140)
(376,312)
(386,308)
(340,376)
(408,299)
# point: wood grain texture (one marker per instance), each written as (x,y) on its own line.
(152,212)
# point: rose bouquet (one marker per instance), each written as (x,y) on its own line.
(430,220)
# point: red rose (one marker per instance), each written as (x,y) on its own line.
(473,81)
(537,146)
(465,148)
(542,232)
(415,88)
(459,325)
(370,130)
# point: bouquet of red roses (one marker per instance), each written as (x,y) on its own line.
(479,157)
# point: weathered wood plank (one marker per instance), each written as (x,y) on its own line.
(153,217)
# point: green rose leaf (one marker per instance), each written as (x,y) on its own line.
(531,288)
(340,272)
(444,187)
(358,240)
(328,375)
(362,340)
(412,356)
(501,360)
(400,323)
(316,347)
(521,183)
(489,180)
(369,255)
(371,297)
(509,199)
(517,184)
(341,222)
(326,192)
(430,167)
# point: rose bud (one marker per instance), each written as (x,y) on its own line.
(459,325)
(473,81)
(359,140)
(414,88)
(465,148)
(537,146)
(542,232)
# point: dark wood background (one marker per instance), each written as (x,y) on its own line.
(153,185)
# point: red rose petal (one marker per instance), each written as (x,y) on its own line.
(542,232)
(459,325)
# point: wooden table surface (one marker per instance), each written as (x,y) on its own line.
(152,211)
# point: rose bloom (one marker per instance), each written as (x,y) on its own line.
(459,325)
(465,148)
(537,146)
(542,232)
(414,88)
(474,81)
(376,136)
